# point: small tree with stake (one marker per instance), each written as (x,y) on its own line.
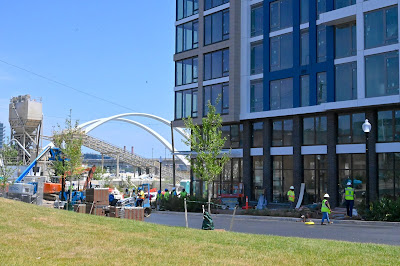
(206,142)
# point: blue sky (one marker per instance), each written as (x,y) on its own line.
(121,51)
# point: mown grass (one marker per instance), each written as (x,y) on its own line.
(32,235)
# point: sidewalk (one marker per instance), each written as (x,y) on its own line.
(288,219)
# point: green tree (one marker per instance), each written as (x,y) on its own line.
(69,140)
(206,143)
(8,155)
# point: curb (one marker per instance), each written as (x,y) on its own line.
(287,219)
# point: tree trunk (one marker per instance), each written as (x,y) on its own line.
(209,196)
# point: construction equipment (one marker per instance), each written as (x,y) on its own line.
(89,176)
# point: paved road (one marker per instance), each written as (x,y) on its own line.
(353,232)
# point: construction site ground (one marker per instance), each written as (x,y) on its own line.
(345,230)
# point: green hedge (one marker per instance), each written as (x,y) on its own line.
(385,209)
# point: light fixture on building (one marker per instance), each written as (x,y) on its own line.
(366,127)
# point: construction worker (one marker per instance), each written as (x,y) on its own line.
(159,198)
(291,197)
(325,209)
(349,197)
(183,194)
(133,193)
(140,198)
(126,194)
(166,194)
(173,193)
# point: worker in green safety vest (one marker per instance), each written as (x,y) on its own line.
(159,199)
(349,197)
(291,197)
(183,194)
(325,209)
(166,194)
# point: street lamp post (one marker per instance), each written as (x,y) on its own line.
(160,171)
(366,127)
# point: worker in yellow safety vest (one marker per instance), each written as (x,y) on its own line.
(140,198)
(349,197)
(325,209)
(291,197)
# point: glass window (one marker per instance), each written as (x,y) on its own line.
(282,175)
(345,40)
(256,62)
(257,15)
(352,168)
(321,88)
(389,174)
(305,90)
(315,130)
(381,27)
(186,71)
(344,3)
(349,128)
(281,52)
(256,96)
(382,74)
(304,11)
(257,134)
(216,27)
(257,177)
(218,95)
(282,131)
(281,15)
(315,178)
(321,49)
(346,81)
(187,36)
(216,64)
(186,8)
(321,7)
(281,94)
(208,4)
(389,126)
(185,104)
(305,48)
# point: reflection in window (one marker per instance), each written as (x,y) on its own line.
(208,4)
(257,15)
(315,130)
(257,177)
(186,8)
(216,27)
(315,178)
(305,47)
(350,128)
(382,74)
(187,36)
(281,15)
(345,40)
(321,39)
(216,64)
(321,88)
(185,104)
(256,61)
(346,81)
(186,71)
(281,52)
(281,94)
(389,126)
(282,177)
(257,135)
(352,168)
(218,96)
(304,11)
(389,174)
(256,96)
(381,27)
(305,90)
(282,131)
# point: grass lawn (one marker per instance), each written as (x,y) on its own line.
(37,235)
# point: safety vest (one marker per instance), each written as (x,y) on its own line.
(291,195)
(183,194)
(349,193)
(141,194)
(159,196)
(324,207)
(166,195)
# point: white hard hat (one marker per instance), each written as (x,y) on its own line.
(326,195)
(349,183)
(291,187)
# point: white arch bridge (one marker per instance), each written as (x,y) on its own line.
(125,156)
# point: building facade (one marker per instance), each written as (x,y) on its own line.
(297,79)
(2,134)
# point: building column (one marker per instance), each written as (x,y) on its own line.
(297,140)
(372,117)
(333,178)
(247,161)
(267,162)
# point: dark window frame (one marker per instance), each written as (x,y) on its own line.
(393,124)
(195,44)
(260,69)
(315,132)
(213,5)
(193,113)
(224,73)
(253,101)
(194,79)
(184,3)
(254,32)
(351,133)
(282,136)
(224,87)
(225,36)
(353,50)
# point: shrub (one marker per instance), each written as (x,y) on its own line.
(385,209)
